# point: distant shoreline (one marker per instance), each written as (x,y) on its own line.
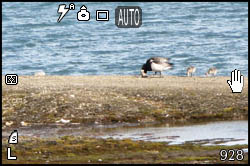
(117,99)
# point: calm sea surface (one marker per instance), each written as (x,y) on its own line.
(198,34)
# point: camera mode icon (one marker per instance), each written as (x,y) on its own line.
(11,79)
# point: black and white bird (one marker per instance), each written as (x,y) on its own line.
(156,64)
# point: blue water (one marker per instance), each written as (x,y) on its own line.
(198,34)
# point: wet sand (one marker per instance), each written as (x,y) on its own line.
(118,99)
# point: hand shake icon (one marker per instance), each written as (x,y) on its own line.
(237,81)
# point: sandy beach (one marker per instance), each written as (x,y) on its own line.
(115,99)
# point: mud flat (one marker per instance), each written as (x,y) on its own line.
(118,99)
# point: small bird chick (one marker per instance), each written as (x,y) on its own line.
(191,70)
(211,71)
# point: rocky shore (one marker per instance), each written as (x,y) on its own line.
(91,100)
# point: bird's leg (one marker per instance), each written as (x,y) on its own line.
(155,74)
(160,74)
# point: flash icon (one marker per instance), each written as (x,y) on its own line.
(63,10)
